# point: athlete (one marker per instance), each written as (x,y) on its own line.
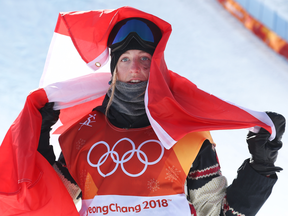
(113,159)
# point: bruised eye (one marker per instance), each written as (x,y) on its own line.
(144,58)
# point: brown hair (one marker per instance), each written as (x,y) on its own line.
(112,86)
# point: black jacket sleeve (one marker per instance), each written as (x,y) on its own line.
(44,147)
(247,193)
(49,118)
(59,166)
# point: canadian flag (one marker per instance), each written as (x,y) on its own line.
(76,77)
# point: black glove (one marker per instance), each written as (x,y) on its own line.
(49,118)
(264,152)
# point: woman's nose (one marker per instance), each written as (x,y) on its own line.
(135,66)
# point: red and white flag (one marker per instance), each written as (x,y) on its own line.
(76,77)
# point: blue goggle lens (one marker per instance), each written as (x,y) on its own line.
(146,30)
(136,26)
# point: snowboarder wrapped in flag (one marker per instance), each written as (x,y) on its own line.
(134,139)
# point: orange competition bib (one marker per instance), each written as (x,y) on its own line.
(128,170)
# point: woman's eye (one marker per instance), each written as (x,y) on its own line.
(125,59)
(144,58)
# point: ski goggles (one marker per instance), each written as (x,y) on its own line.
(145,29)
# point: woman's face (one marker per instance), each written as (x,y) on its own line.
(133,66)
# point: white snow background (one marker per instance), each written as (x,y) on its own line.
(208,46)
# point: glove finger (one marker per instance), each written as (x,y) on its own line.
(279,123)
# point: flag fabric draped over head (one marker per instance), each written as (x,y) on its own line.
(76,78)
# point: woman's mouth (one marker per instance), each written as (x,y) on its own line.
(135,81)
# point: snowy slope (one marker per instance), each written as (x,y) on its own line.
(207,45)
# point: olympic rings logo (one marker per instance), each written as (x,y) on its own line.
(125,158)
